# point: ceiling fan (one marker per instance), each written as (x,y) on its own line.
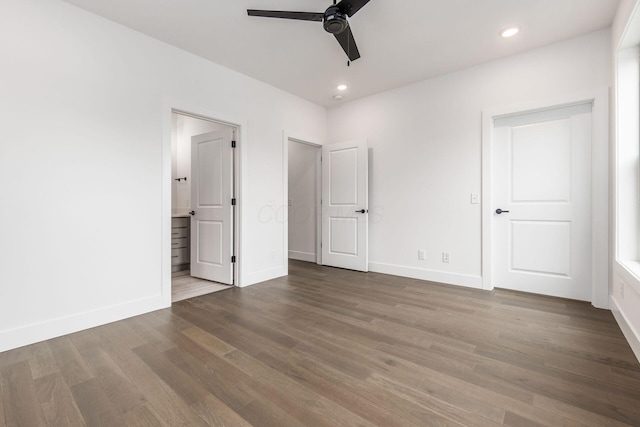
(334,20)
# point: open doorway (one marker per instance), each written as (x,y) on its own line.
(202,206)
(304,192)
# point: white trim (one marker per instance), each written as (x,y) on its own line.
(486,199)
(36,332)
(625,176)
(599,182)
(629,271)
(429,275)
(285,199)
(240,124)
(264,275)
(630,36)
(319,205)
(629,332)
(302,256)
(301,141)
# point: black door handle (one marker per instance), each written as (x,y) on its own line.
(362,211)
(500,211)
(192,213)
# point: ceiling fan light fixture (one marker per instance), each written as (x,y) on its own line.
(335,21)
(509,32)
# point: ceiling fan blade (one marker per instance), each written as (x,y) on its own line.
(348,44)
(350,7)
(303,16)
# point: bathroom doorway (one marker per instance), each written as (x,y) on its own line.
(202,205)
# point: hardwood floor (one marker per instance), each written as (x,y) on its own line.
(183,286)
(330,347)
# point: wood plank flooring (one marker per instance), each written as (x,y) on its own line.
(330,347)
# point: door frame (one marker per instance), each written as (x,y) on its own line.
(204,113)
(285,191)
(600,160)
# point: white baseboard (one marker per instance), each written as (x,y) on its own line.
(430,275)
(263,275)
(41,331)
(632,336)
(302,256)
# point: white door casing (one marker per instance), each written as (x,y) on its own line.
(345,205)
(212,212)
(541,175)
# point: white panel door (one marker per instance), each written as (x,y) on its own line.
(212,215)
(542,183)
(345,205)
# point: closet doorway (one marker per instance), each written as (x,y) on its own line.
(304,204)
(202,206)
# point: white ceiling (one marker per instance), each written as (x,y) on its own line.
(401,41)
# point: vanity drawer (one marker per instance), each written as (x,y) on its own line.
(179,232)
(179,222)
(179,256)
(179,243)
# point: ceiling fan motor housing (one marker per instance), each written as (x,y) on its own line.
(335,21)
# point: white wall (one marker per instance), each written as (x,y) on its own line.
(625,297)
(83,192)
(302,201)
(425,151)
(185,128)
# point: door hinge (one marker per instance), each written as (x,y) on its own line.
(233,259)
(233,201)
(233,144)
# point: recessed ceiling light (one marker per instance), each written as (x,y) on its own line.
(342,87)
(509,32)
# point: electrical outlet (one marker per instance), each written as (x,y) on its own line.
(475,198)
(446,257)
(421,254)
